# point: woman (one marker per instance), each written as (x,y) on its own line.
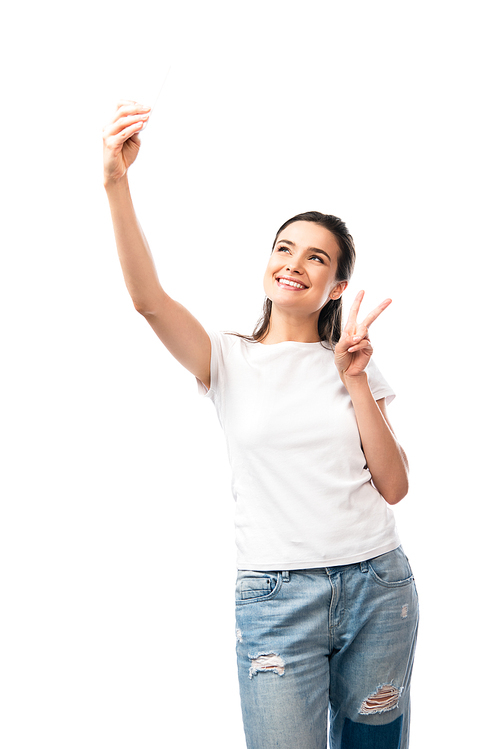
(326,606)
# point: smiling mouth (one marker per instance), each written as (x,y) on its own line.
(290,283)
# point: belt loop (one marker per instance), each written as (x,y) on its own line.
(363,566)
(286,576)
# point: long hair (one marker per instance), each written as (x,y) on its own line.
(330,317)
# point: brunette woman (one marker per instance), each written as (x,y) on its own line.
(326,605)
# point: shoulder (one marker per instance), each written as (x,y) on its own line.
(226,341)
(227,349)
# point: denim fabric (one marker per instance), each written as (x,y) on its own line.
(334,642)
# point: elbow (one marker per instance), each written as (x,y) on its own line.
(394,494)
(395,498)
(396,488)
(148,305)
(140,307)
(144,309)
(393,488)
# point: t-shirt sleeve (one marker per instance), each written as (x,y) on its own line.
(378,384)
(215,366)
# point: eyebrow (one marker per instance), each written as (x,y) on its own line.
(309,249)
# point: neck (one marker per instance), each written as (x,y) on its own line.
(283,327)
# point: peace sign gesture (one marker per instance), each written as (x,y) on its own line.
(353,351)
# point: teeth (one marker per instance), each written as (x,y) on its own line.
(291,283)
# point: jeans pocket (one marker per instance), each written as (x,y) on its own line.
(253,586)
(391,569)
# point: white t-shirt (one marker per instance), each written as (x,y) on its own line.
(303,493)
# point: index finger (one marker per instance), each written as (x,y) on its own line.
(126,107)
(130,103)
(353,312)
(372,316)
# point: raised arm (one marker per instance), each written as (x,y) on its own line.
(178,330)
(385,457)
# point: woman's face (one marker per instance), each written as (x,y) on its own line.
(302,268)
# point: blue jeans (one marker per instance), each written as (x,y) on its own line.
(334,642)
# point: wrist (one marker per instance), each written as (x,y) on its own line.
(356,383)
(114,184)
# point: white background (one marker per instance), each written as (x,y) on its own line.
(117,559)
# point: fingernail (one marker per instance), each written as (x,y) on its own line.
(356,338)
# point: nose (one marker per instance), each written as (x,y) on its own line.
(294,267)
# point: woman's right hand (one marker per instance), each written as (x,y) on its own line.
(121,139)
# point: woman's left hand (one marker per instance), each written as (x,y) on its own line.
(353,351)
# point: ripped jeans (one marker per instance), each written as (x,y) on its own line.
(332,645)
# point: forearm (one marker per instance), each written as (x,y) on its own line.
(385,458)
(133,251)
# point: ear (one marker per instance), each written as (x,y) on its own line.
(338,290)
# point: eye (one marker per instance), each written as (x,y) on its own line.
(282,248)
(317,257)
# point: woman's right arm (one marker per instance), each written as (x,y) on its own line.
(178,330)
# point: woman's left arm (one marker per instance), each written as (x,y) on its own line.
(385,458)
